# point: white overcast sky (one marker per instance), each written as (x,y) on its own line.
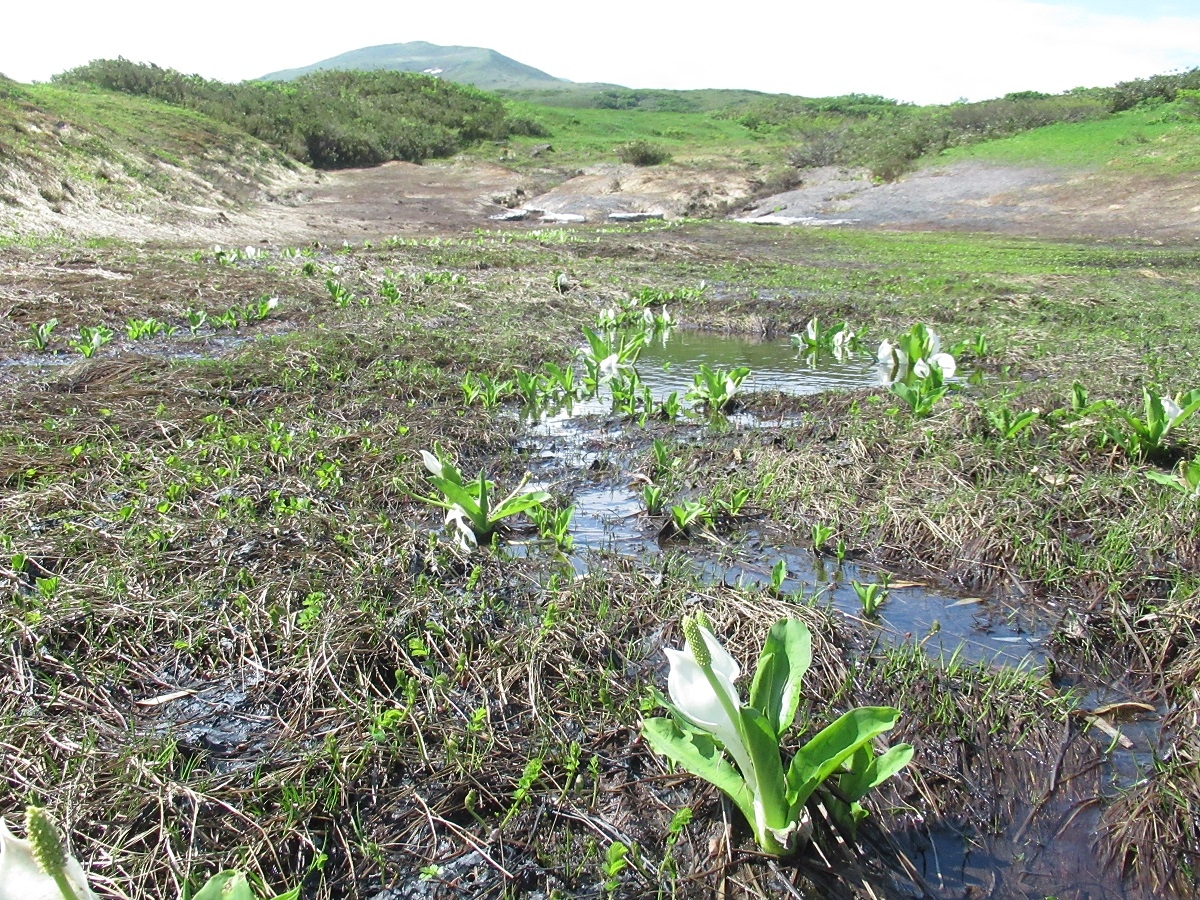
(915,50)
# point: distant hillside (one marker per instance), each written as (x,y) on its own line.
(483,68)
(326,119)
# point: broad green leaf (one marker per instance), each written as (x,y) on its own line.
(763,746)
(1168,480)
(460,496)
(516,503)
(877,770)
(786,656)
(227,885)
(699,754)
(833,745)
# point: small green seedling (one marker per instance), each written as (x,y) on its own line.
(870,596)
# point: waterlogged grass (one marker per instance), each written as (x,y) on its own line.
(238,635)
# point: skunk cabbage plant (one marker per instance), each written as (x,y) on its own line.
(914,354)
(736,746)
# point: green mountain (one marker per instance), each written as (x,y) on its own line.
(483,68)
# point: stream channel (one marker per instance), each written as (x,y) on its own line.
(1043,844)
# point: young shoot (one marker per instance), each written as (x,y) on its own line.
(714,389)
(91,339)
(870,596)
(554,525)
(653,497)
(471,506)
(1142,437)
(689,515)
(821,535)
(39,335)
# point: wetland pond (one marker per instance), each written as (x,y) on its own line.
(1040,846)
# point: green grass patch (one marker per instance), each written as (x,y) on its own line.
(1140,140)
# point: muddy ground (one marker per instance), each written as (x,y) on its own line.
(452,197)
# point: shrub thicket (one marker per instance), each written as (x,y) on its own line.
(1128,94)
(888,138)
(642,153)
(329,119)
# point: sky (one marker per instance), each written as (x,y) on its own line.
(924,51)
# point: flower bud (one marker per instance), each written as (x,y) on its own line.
(44,842)
(695,642)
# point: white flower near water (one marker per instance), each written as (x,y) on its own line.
(24,877)
(711,703)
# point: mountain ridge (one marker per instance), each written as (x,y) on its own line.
(481,67)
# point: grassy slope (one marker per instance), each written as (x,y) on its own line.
(585,136)
(119,150)
(1138,140)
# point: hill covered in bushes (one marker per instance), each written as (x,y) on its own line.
(328,119)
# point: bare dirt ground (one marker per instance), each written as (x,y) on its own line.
(451,197)
(973,196)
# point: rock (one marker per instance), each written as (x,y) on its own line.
(812,221)
(511,215)
(563,218)
(633,216)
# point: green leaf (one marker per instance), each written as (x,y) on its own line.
(516,503)
(227,885)
(832,746)
(786,656)
(460,496)
(877,770)
(763,746)
(699,754)
(1167,480)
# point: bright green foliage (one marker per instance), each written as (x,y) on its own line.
(1008,423)
(233,885)
(736,746)
(688,514)
(606,354)
(652,496)
(922,393)
(554,525)
(39,335)
(838,338)
(1187,482)
(485,390)
(91,339)
(870,596)
(329,119)
(1140,437)
(714,389)
(821,535)
(470,505)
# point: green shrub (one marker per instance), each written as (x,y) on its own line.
(330,119)
(642,153)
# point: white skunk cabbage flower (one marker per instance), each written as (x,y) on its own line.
(694,696)
(609,366)
(1171,409)
(42,872)
(464,534)
(945,362)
